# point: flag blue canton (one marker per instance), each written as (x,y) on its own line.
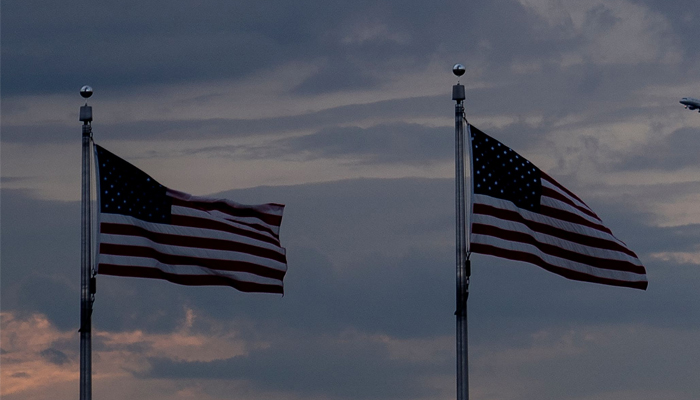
(127,190)
(502,173)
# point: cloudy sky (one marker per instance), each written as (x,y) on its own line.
(342,111)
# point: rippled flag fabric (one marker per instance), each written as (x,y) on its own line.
(149,231)
(521,213)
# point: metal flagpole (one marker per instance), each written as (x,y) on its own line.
(87,282)
(463,270)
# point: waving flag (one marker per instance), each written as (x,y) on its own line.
(521,213)
(149,231)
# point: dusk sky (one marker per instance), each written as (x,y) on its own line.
(342,111)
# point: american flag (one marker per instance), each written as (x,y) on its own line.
(149,231)
(521,213)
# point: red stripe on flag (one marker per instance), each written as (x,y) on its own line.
(189,280)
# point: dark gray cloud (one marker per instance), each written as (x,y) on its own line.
(337,76)
(55,356)
(683,18)
(678,150)
(593,90)
(426,106)
(605,361)
(634,228)
(350,49)
(106,344)
(53,294)
(40,256)
(124,44)
(310,365)
(380,144)
(49,49)
(12,179)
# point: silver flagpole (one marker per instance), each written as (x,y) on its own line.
(87,283)
(458,95)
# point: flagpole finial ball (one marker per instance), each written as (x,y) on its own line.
(458,69)
(86,91)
